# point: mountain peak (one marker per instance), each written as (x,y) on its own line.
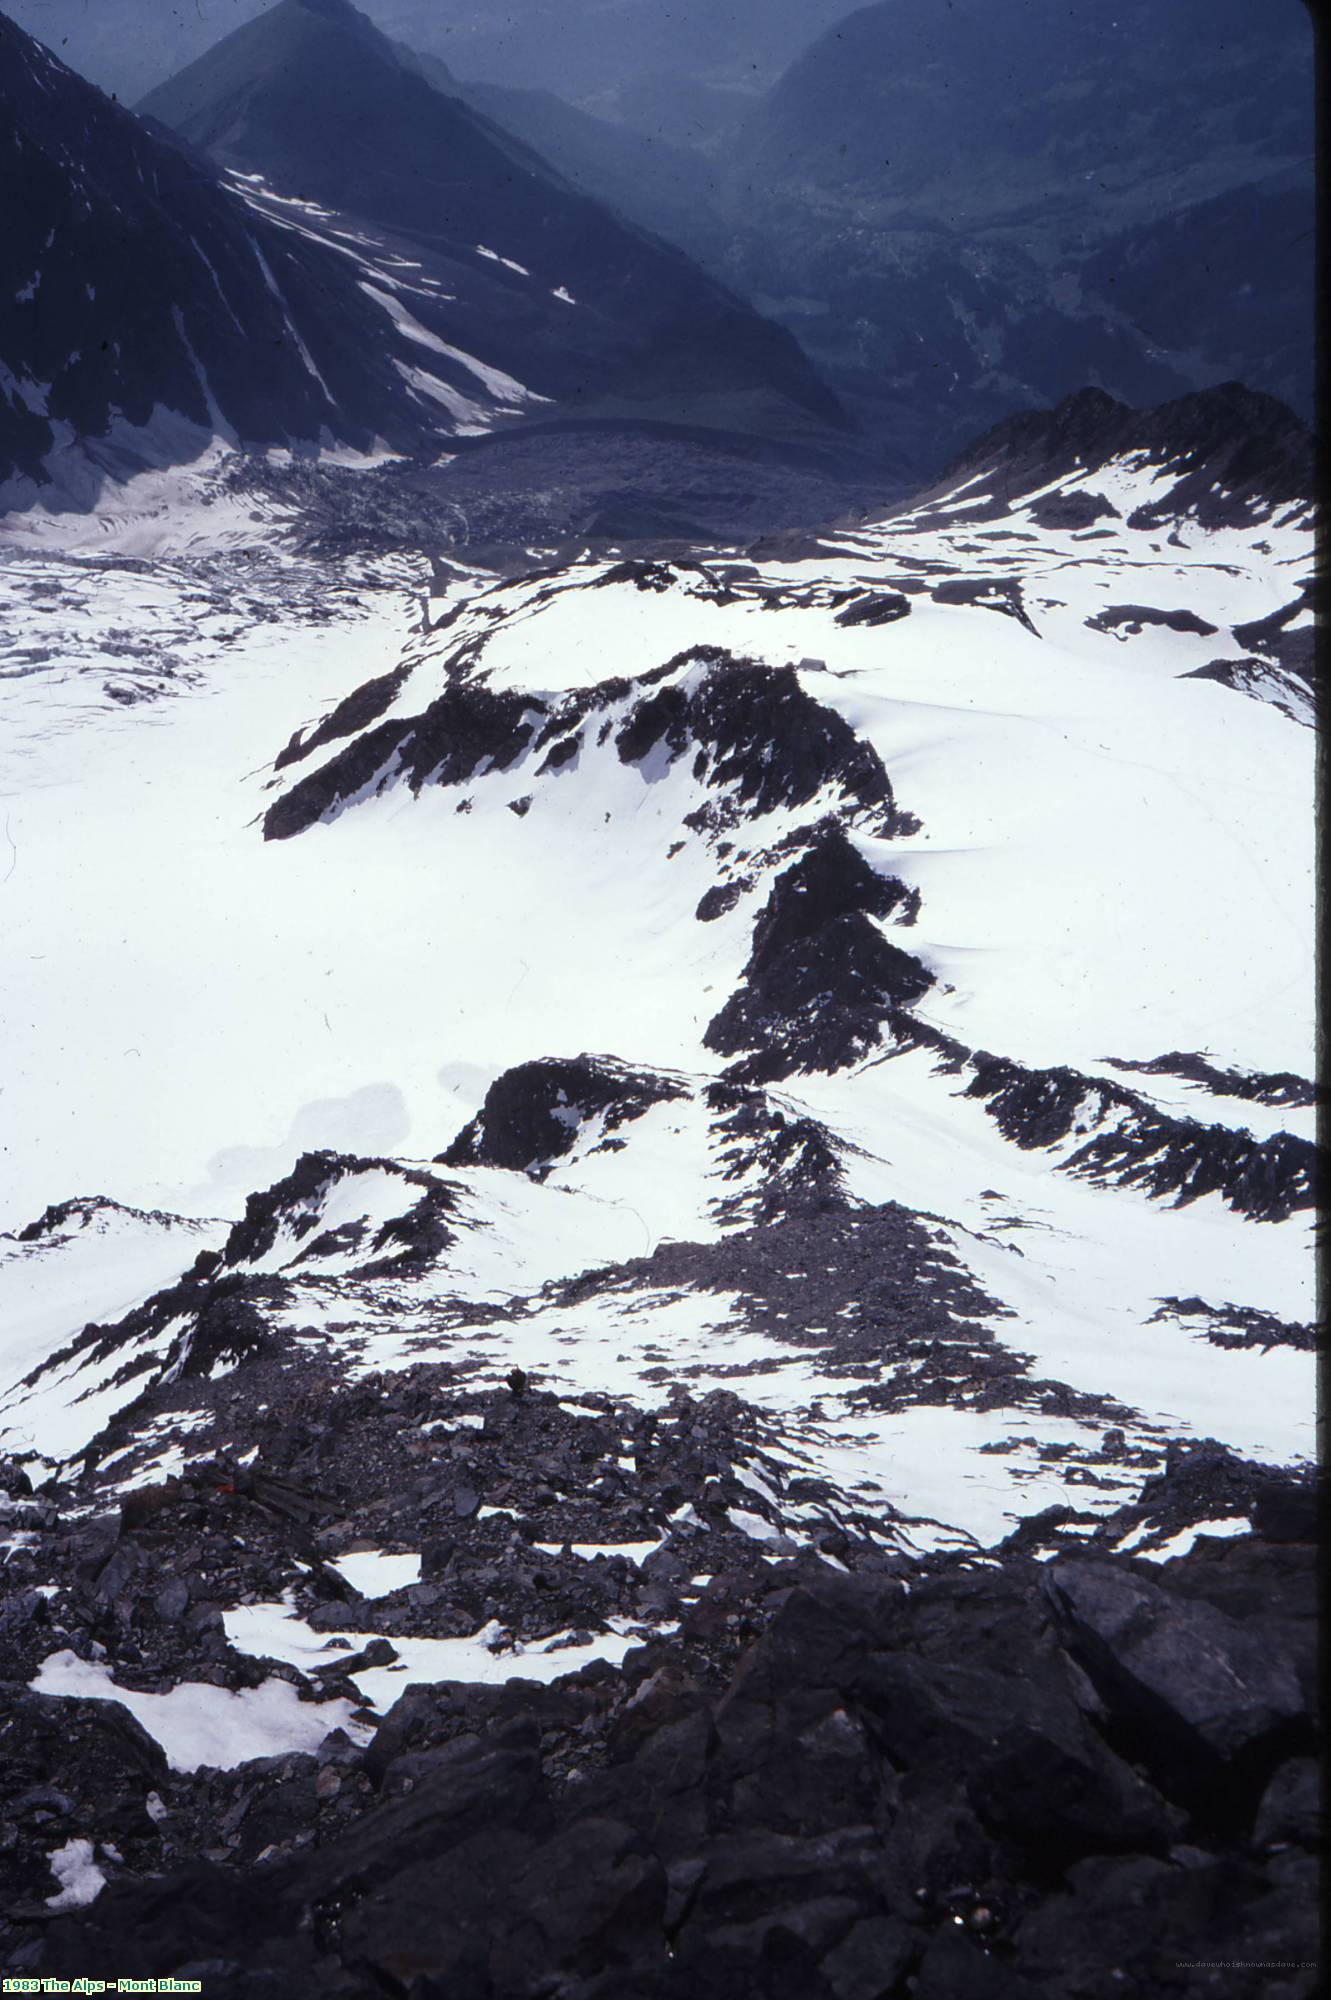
(312,96)
(340,14)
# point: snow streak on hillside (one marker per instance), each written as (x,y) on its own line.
(872,979)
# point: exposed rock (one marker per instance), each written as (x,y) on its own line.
(1267,1178)
(827,1786)
(466,726)
(533,1114)
(1134,618)
(1282,1088)
(754,730)
(1072,510)
(821,978)
(877,607)
(1195,1688)
(1235,456)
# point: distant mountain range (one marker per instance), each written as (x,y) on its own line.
(955,224)
(581,48)
(964,209)
(143,282)
(950,228)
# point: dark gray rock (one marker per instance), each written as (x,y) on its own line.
(1291,1808)
(1192,1682)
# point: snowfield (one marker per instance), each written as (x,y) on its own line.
(1107,860)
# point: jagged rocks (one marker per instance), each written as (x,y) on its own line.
(468,725)
(828,1788)
(801,1170)
(291,1209)
(821,977)
(1234,455)
(757,733)
(534,1114)
(1282,1088)
(70,1772)
(1206,1700)
(1238,1326)
(80,1212)
(1139,1146)
(754,735)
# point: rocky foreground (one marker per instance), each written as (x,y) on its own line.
(833,1774)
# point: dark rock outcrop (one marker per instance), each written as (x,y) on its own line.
(467,726)
(757,733)
(1267,1179)
(533,1114)
(827,1786)
(821,978)
(1255,1087)
(1205,1700)
(1233,455)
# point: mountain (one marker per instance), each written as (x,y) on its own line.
(576,47)
(956,218)
(581,50)
(698,1320)
(657,183)
(699,1316)
(140,289)
(1226,457)
(597,313)
(141,283)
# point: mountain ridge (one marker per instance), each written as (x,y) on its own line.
(323,103)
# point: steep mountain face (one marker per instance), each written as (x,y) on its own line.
(700,1322)
(659,183)
(594,312)
(149,308)
(956,217)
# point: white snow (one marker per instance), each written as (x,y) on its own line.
(95,1268)
(201,1726)
(756,1526)
(1114,861)
(75,1869)
(274,1632)
(508,262)
(376,1573)
(504,388)
(1178,1545)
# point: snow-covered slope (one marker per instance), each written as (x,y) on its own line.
(872,977)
